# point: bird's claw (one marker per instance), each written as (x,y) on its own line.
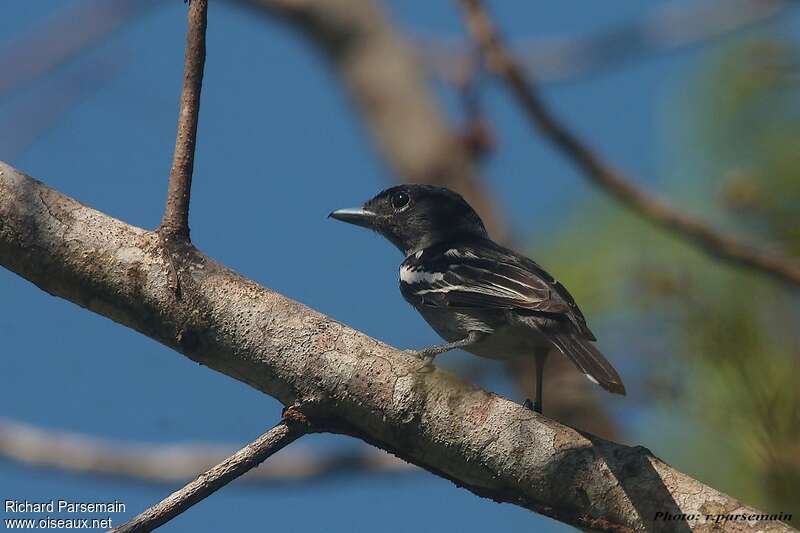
(528,404)
(535,407)
(427,364)
(427,360)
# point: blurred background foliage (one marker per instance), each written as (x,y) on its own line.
(718,349)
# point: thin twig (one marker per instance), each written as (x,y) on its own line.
(667,27)
(608,178)
(176,215)
(293,426)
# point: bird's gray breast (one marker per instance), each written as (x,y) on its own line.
(507,337)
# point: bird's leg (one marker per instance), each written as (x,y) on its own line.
(429,354)
(540,360)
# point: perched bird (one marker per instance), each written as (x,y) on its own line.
(476,294)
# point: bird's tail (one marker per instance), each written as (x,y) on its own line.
(590,361)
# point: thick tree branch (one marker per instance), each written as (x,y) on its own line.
(609,179)
(176,215)
(414,139)
(172,463)
(491,446)
(293,426)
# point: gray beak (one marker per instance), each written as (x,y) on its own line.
(357,216)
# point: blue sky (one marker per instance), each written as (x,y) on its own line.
(279,147)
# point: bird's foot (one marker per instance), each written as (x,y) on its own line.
(427,364)
(536,407)
(427,360)
(528,404)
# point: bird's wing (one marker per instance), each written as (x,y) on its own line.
(486,276)
(479,284)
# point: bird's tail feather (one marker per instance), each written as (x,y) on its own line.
(590,361)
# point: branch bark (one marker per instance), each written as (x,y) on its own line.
(293,426)
(489,445)
(609,179)
(175,223)
(378,92)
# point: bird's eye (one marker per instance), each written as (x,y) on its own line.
(400,200)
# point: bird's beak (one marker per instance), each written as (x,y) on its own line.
(357,216)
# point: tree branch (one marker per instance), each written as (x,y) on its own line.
(609,179)
(176,215)
(293,426)
(382,74)
(173,463)
(667,27)
(402,114)
(489,445)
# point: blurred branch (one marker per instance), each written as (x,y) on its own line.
(82,454)
(69,32)
(669,26)
(293,425)
(609,179)
(175,223)
(41,110)
(570,399)
(477,134)
(359,386)
(397,106)
(380,71)
(384,78)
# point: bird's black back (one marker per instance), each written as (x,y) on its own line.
(479,273)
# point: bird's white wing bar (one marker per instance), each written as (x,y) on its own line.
(412,275)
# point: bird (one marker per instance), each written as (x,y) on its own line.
(477,295)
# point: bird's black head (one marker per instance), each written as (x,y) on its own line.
(414,217)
